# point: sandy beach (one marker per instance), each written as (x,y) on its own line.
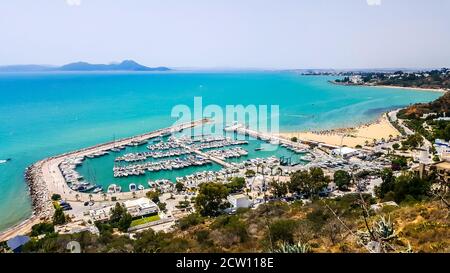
(350,137)
(410,88)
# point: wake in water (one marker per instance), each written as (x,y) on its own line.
(3,161)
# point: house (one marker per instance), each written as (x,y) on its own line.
(442,169)
(442,148)
(101,214)
(239,201)
(356,79)
(16,243)
(141,207)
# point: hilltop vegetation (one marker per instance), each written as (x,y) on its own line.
(434,79)
(341,224)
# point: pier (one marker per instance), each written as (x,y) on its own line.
(301,144)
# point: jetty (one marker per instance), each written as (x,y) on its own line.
(275,139)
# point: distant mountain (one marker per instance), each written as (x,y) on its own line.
(25,68)
(127,65)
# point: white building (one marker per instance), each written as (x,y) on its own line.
(141,207)
(356,79)
(239,201)
(344,152)
(101,214)
(442,148)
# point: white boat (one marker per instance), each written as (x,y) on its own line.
(132,187)
(141,187)
(97,189)
(112,188)
(151,184)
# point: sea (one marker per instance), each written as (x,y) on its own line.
(45,114)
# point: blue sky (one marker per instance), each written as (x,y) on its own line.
(228,33)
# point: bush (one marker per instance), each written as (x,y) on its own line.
(56,197)
(192,219)
(42,228)
(283,231)
(250,173)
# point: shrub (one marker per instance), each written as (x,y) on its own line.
(192,219)
(56,197)
(42,228)
(283,231)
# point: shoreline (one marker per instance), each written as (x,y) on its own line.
(45,178)
(437,90)
(440,90)
(350,136)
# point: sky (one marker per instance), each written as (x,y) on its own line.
(279,34)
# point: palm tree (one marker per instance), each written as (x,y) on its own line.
(280,172)
(367,143)
(77,197)
(134,194)
(104,196)
(390,138)
(90,197)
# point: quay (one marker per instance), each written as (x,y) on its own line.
(301,144)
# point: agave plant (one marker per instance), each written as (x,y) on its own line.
(384,229)
(292,248)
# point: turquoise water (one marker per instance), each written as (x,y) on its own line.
(99,170)
(46,114)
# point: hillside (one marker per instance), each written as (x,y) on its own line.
(439,106)
(323,226)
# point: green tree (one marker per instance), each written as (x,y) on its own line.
(153,195)
(310,183)
(117,212)
(211,199)
(387,184)
(162,206)
(236,184)
(279,189)
(342,179)
(59,218)
(42,228)
(249,173)
(56,197)
(294,139)
(124,222)
(179,186)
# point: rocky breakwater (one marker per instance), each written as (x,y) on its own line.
(42,205)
